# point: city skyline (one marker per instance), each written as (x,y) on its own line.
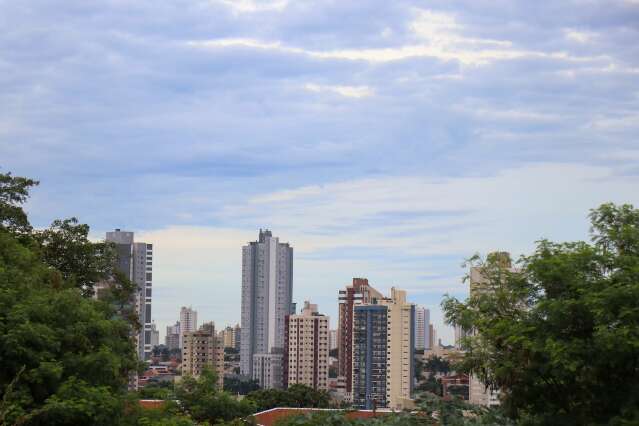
(387,140)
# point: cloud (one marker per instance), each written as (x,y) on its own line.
(382,138)
(346,91)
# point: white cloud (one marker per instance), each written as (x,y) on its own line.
(251,6)
(385,228)
(579,36)
(347,91)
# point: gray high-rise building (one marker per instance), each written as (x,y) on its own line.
(135,261)
(422,329)
(267,297)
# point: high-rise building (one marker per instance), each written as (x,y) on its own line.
(237,337)
(432,336)
(332,340)
(203,350)
(370,345)
(267,297)
(422,329)
(135,261)
(172,338)
(155,336)
(401,349)
(268,370)
(383,352)
(306,348)
(188,321)
(359,292)
(228,337)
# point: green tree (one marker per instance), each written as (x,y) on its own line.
(66,247)
(65,357)
(560,337)
(436,364)
(14,191)
(201,399)
(234,385)
(295,396)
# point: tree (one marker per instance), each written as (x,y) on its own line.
(295,396)
(436,364)
(65,357)
(204,403)
(560,336)
(14,191)
(65,246)
(234,385)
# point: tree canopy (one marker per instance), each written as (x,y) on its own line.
(559,335)
(65,357)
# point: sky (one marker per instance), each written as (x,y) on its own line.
(382,139)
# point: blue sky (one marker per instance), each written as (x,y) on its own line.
(389,140)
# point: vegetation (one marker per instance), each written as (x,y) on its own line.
(235,386)
(201,399)
(560,335)
(295,396)
(65,357)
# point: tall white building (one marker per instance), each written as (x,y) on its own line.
(188,322)
(422,329)
(332,340)
(155,336)
(267,297)
(135,261)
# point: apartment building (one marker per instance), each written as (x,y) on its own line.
(306,348)
(203,350)
(359,292)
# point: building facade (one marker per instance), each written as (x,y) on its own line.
(370,325)
(422,328)
(362,293)
(400,353)
(203,350)
(172,338)
(332,340)
(155,336)
(306,349)
(267,293)
(135,261)
(188,321)
(268,370)
(383,353)
(237,337)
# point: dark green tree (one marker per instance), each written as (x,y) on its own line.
(201,399)
(14,191)
(65,357)
(560,337)
(295,396)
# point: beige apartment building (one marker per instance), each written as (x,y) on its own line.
(400,349)
(306,348)
(202,349)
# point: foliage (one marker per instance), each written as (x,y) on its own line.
(234,386)
(437,365)
(203,402)
(560,336)
(295,396)
(14,191)
(65,357)
(161,390)
(340,419)
(65,246)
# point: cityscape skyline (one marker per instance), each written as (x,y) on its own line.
(390,148)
